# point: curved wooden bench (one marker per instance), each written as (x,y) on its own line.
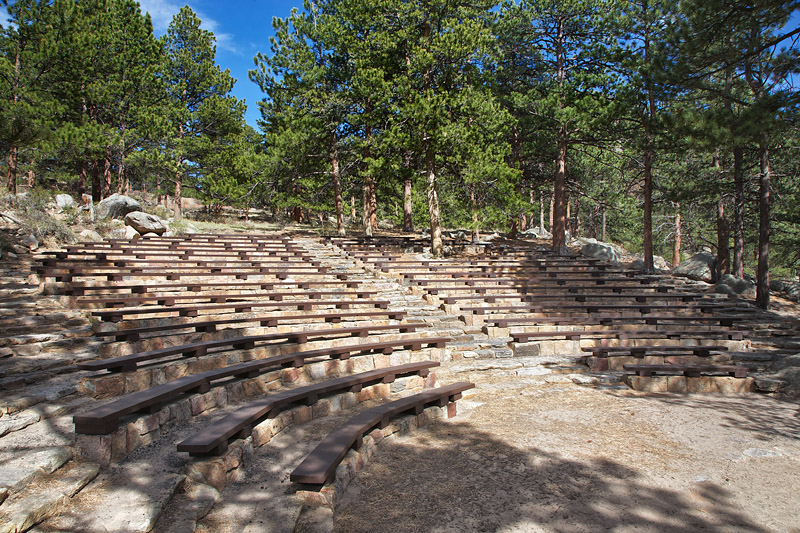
(238,307)
(688,370)
(169,300)
(727,321)
(319,467)
(213,439)
(128,363)
(204,326)
(641,351)
(78,289)
(522,336)
(643,308)
(105,419)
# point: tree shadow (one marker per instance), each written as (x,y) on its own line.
(454,478)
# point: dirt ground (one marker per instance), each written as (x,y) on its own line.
(527,455)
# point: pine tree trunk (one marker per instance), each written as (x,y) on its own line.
(541,212)
(738,213)
(97,183)
(723,238)
(408,213)
(178,176)
(559,196)
(107,175)
(762,273)
(365,215)
(476,233)
(676,245)
(433,204)
(648,211)
(552,208)
(603,238)
(82,172)
(11,182)
(353,212)
(31,175)
(337,187)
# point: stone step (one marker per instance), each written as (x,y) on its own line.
(45,498)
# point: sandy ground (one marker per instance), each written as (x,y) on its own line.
(525,455)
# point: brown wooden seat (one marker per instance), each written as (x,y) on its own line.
(133,334)
(79,289)
(239,307)
(622,334)
(605,320)
(641,351)
(105,419)
(169,300)
(128,363)
(643,308)
(688,370)
(213,439)
(319,467)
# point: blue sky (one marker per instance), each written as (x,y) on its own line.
(242,28)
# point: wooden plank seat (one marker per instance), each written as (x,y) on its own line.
(641,351)
(576,297)
(688,370)
(78,289)
(424,278)
(184,262)
(604,320)
(134,334)
(116,315)
(129,363)
(623,334)
(515,284)
(643,308)
(105,418)
(171,275)
(168,267)
(169,300)
(131,248)
(319,467)
(213,439)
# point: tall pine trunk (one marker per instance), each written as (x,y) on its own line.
(433,203)
(408,213)
(337,187)
(738,213)
(676,244)
(11,182)
(762,273)
(476,233)
(559,183)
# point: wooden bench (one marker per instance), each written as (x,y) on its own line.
(643,308)
(319,467)
(105,419)
(641,351)
(128,363)
(238,307)
(687,370)
(169,300)
(213,439)
(238,274)
(604,320)
(622,334)
(205,326)
(77,289)
(575,297)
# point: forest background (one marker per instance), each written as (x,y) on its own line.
(666,126)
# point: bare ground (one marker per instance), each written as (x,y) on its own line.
(526,455)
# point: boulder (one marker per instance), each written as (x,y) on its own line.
(131,234)
(32,242)
(145,223)
(700,267)
(90,235)
(116,206)
(658,262)
(736,287)
(601,250)
(65,201)
(538,232)
(385,224)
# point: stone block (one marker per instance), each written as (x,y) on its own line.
(103,387)
(291,375)
(700,384)
(322,408)
(235,392)
(175,371)
(233,457)
(198,404)
(211,471)
(262,433)
(95,448)
(317,371)
(253,388)
(181,411)
(731,385)
(676,384)
(302,414)
(363,364)
(647,384)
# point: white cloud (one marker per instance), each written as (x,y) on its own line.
(162,12)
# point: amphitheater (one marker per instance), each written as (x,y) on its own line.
(282,382)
